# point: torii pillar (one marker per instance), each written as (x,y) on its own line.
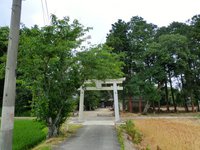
(116,103)
(81,105)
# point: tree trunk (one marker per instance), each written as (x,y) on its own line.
(146,108)
(53,130)
(186,106)
(153,106)
(124,99)
(198,108)
(130,104)
(172,93)
(192,102)
(192,106)
(185,99)
(166,95)
(140,105)
(159,106)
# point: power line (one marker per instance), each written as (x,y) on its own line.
(47,10)
(43,12)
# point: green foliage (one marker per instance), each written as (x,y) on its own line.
(23,100)
(131,130)
(91,100)
(148,148)
(139,87)
(27,134)
(118,40)
(99,62)
(4,31)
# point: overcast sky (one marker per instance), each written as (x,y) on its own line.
(100,14)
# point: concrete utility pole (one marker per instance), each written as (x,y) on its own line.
(7,121)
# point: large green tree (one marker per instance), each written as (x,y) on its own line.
(48,67)
(131,38)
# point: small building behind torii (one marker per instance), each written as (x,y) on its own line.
(100,85)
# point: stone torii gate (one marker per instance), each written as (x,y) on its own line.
(108,84)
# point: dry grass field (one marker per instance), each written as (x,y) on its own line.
(169,134)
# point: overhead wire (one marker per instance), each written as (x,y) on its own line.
(45,12)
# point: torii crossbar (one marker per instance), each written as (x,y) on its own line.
(108,84)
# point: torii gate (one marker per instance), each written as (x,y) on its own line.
(99,87)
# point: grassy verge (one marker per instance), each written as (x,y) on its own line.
(66,131)
(27,133)
(120,137)
(134,134)
(129,132)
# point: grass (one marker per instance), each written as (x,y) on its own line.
(134,134)
(128,132)
(166,134)
(120,137)
(66,131)
(27,133)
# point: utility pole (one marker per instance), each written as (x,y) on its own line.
(8,108)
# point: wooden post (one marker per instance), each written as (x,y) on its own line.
(116,102)
(81,104)
(7,120)
(130,105)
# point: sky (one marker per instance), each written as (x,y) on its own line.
(100,14)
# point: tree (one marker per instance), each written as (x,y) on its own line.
(48,66)
(131,39)
(175,49)
(118,40)
(192,78)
